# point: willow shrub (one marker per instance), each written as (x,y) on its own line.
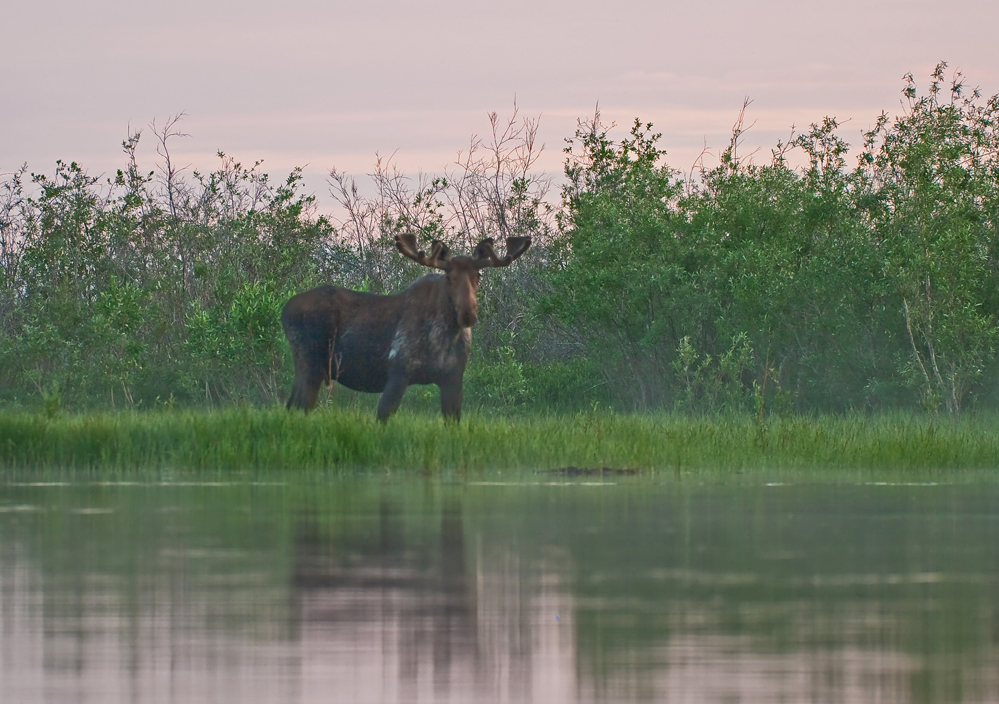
(864,284)
(865,287)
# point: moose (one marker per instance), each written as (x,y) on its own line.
(383,344)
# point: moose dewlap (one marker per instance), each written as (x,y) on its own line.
(382,344)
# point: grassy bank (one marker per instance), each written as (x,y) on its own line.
(242,439)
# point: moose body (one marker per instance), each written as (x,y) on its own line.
(383,344)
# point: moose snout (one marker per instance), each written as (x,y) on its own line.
(468,317)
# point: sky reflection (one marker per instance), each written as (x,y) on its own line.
(362,592)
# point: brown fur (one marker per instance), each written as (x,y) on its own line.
(383,344)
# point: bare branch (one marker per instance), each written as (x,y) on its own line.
(167,168)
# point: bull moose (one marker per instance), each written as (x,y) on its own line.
(383,344)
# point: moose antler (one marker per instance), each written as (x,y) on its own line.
(439,253)
(485,256)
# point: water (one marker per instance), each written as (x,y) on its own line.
(530,590)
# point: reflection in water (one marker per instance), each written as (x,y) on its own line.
(403,616)
(364,592)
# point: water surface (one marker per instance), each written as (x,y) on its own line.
(527,588)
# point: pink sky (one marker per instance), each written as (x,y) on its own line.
(329,84)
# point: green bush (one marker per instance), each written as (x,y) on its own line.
(745,287)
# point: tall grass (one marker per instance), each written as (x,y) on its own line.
(272,439)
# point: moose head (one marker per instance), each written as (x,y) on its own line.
(462,273)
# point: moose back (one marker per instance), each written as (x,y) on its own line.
(383,344)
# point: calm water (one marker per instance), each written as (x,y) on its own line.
(617,589)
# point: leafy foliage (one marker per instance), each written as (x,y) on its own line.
(933,177)
(849,288)
(745,287)
(125,294)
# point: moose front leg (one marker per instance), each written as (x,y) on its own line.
(451,401)
(391,397)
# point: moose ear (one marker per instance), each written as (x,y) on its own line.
(484,250)
(439,251)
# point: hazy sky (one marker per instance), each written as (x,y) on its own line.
(324,84)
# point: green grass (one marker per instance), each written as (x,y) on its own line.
(272,439)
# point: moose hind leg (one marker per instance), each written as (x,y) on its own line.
(296,394)
(391,397)
(305,391)
(310,373)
